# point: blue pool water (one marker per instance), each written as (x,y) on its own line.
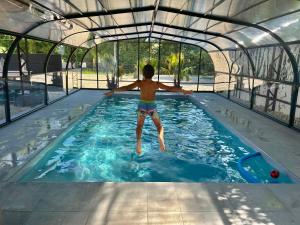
(101,147)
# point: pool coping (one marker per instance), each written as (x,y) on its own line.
(16,176)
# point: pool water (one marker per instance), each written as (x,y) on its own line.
(101,147)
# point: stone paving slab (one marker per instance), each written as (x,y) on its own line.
(116,203)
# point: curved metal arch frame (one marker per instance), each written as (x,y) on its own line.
(200,48)
(185,29)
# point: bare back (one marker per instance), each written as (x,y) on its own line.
(148,89)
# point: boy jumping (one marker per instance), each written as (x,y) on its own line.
(147,104)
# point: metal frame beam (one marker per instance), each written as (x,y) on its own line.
(109,12)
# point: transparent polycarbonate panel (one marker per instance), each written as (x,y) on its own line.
(222,27)
(132,36)
(143,17)
(202,6)
(239,63)
(88,23)
(232,8)
(273,99)
(174,19)
(252,37)
(128,61)
(116,19)
(240,89)
(264,11)
(200,36)
(272,63)
(92,42)
(87,6)
(143,28)
(115,4)
(207,46)
(18,17)
(103,21)
(286,27)
(223,43)
(123,30)
(58,6)
(112,31)
(57,31)
(221,83)
(219,61)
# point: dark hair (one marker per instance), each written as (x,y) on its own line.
(148,71)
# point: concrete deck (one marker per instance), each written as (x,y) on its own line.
(144,203)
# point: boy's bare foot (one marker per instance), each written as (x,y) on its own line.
(161,144)
(139,147)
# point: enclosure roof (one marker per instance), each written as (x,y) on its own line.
(225,23)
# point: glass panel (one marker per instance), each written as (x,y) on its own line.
(26,76)
(2,101)
(169,62)
(297,115)
(221,83)
(190,58)
(75,69)
(128,59)
(5,42)
(240,89)
(273,99)
(295,49)
(272,63)
(239,63)
(107,64)
(56,72)
(89,69)
(148,54)
(219,61)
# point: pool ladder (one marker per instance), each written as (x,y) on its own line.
(245,174)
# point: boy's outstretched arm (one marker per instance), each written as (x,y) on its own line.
(124,88)
(173,89)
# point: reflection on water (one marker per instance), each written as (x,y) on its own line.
(239,120)
(34,135)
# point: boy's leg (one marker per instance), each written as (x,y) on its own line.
(160,130)
(139,129)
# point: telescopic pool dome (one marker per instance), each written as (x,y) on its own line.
(253,45)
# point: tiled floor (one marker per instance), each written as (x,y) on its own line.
(150,203)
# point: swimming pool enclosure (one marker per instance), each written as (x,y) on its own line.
(246,51)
